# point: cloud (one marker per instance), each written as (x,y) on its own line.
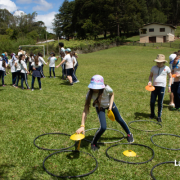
(43,5)
(8,4)
(24,1)
(47,19)
(19,13)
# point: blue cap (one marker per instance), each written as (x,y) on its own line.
(68,50)
(3,54)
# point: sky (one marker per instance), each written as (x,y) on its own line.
(46,9)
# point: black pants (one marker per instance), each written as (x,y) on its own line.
(2,73)
(176,92)
(18,76)
(13,78)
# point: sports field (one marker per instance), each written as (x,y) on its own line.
(58,107)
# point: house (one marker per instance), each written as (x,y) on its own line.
(157,33)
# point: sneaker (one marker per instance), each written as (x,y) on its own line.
(130,138)
(54,76)
(151,116)
(172,105)
(159,119)
(22,88)
(14,85)
(32,90)
(94,147)
(40,89)
(76,81)
(71,84)
(3,85)
(49,77)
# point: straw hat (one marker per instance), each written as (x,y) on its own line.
(160,58)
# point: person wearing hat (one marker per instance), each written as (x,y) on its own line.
(69,64)
(171,60)
(52,59)
(21,51)
(176,88)
(103,99)
(159,74)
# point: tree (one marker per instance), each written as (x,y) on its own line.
(63,20)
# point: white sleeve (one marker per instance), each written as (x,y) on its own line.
(108,89)
(42,60)
(168,70)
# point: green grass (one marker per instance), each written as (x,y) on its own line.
(58,108)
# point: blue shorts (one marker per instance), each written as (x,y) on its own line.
(69,72)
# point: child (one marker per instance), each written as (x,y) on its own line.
(13,68)
(7,62)
(69,64)
(159,74)
(36,73)
(62,55)
(41,61)
(18,71)
(75,80)
(103,99)
(52,61)
(24,71)
(171,59)
(176,88)
(3,66)
(31,60)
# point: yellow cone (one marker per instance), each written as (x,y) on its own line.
(111,115)
(129,153)
(77,137)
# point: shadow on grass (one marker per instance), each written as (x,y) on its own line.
(4,168)
(139,115)
(65,84)
(29,173)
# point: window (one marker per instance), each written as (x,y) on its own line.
(162,29)
(151,30)
(143,31)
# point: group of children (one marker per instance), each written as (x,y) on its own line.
(18,65)
(159,74)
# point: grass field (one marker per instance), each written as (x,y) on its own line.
(58,108)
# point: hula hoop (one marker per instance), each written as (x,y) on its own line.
(106,142)
(162,146)
(145,121)
(83,175)
(127,161)
(158,165)
(51,149)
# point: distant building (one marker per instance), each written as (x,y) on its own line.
(157,33)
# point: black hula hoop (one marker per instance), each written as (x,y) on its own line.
(127,161)
(83,175)
(106,142)
(161,146)
(145,121)
(52,149)
(158,165)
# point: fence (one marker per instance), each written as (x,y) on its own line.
(167,44)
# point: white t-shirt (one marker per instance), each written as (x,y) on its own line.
(12,65)
(34,65)
(74,58)
(41,60)
(52,61)
(31,59)
(159,75)
(176,71)
(23,66)
(68,61)
(21,52)
(1,67)
(18,67)
(105,100)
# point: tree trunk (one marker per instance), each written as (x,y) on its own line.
(118,29)
(105,33)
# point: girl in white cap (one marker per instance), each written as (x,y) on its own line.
(176,88)
(159,74)
(69,64)
(103,99)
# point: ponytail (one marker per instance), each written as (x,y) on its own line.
(36,60)
(4,64)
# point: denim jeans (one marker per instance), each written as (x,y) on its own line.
(33,80)
(159,91)
(52,70)
(24,78)
(18,75)
(13,77)
(102,120)
(176,93)
(74,78)
(2,73)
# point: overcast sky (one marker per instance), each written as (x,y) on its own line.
(46,9)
